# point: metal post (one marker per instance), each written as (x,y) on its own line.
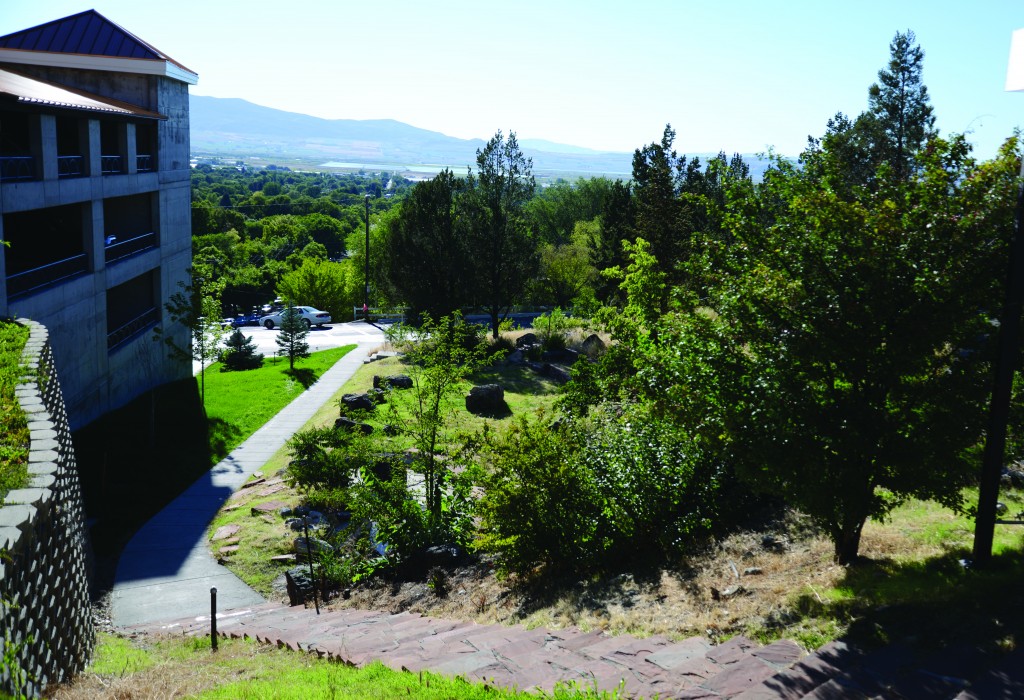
(309,553)
(366,266)
(213,618)
(999,408)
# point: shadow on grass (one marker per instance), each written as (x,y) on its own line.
(305,377)
(503,412)
(221,435)
(932,603)
(517,379)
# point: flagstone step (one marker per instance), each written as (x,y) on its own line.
(538,659)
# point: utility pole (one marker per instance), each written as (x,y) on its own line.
(366,267)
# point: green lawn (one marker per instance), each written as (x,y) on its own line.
(239,403)
(13,426)
(185,666)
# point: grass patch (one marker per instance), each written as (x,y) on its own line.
(185,667)
(913,584)
(14,434)
(239,403)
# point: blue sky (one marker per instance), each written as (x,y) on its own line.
(605,74)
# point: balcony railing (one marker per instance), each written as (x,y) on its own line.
(144,163)
(70,166)
(115,250)
(129,330)
(111,165)
(17,168)
(26,281)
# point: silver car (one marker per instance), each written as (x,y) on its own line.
(312,317)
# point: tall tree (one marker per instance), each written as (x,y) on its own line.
(426,256)
(197,307)
(899,106)
(501,245)
(845,361)
(292,336)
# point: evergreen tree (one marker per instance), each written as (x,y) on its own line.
(241,352)
(292,338)
(899,107)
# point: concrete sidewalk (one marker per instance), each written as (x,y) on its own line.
(166,570)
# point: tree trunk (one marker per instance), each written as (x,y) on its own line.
(846,539)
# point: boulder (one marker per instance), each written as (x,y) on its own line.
(526,340)
(300,588)
(395,381)
(302,546)
(378,396)
(349,424)
(488,398)
(593,346)
(357,402)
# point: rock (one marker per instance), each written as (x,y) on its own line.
(390,430)
(526,340)
(283,558)
(775,544)
(489,398)
(446,556)
(378,396)
(752,571)
(254,482)
(732,592)
(1001,508)
(395,381)
(357,402)
(285,512)
(351,425)
(300,588)
(226,531)
(302,546)
(268,507)
(516,357)
(593,346)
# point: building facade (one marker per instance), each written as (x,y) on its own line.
(95,207)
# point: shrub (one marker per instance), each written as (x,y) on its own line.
(241,352)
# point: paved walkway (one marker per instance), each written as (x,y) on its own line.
(166,570)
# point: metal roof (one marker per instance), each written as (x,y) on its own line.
(88,33)
(33,91)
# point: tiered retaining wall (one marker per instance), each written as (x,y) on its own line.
(46,628)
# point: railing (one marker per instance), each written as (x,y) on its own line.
(17,168)
(116,250)
(111,165)
(144,163)
(70,166)
(129,330)
(22,282)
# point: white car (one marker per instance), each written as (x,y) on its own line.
(312,317)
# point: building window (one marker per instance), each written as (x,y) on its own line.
(46,247)
(128,226)
(71,160)
(131,309)
(111,148)
(145,147)
(16,147)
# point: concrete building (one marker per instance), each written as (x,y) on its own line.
(94,202)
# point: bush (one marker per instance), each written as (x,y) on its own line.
(241,353)
(583,495)
(323,459)
(540,506)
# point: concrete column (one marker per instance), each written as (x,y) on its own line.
(48,146)
(130,148)
(93,155)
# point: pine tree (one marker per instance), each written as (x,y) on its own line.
(242,353)
(292,338)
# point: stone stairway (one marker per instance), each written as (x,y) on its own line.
(516,657)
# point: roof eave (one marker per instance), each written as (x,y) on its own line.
(115,64)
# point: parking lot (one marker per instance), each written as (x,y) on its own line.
(330,336)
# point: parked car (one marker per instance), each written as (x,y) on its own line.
(312,317)
(252,319)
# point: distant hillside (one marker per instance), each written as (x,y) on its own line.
(236,128)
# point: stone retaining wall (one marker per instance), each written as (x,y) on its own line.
(46,628)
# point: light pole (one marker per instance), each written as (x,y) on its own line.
(1007,352)
(366,267)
